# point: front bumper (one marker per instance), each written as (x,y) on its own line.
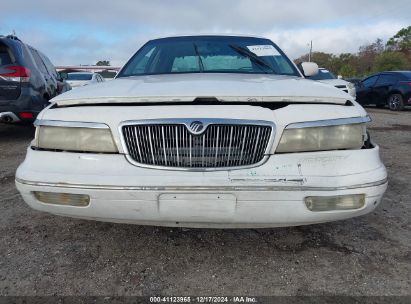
(267,196)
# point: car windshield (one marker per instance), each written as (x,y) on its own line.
(323,74)
(209,54)
(79,76)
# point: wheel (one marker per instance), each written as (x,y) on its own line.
(396,102)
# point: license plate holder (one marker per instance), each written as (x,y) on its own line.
(197,207)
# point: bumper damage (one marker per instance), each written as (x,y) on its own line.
(271,195)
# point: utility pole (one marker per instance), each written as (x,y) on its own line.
(311,50)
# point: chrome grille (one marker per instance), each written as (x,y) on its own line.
(220,145)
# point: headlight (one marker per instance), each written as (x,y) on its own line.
(322,138)
(81,139)
(350,85)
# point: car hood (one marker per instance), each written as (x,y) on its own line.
(334,82)
(188,87)
(77,83)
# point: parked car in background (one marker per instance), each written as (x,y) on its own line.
(325,76)
(79,79)
(386,88)
(62,84)
(205,131)
(354,80)
(28,80)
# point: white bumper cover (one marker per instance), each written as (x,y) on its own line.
(267,196)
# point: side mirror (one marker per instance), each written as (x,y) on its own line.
(308,68)
(339,77)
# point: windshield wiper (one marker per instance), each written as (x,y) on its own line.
(200,61)
(253,57)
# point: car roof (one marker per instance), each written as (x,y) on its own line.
(10,37)
(403,73)
(91,73)
(393,72)
(210,35)
(406,74)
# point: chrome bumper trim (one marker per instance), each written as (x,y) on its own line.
(201,188)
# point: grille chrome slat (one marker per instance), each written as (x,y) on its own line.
(256,144)
(176,134)
(137,142)
(229,146)
(242,146)
(151,145)
(220,145)
(164,144)
(216,146)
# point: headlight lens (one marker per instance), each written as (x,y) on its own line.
(350,85)
(322,138)
(75,139)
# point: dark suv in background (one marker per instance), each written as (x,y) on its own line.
(28,80)
(386,88)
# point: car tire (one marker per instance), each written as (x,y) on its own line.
(396,102)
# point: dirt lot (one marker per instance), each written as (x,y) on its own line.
(41,254)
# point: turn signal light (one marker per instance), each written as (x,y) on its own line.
(64,199)
(335,203)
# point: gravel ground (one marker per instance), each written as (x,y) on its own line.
(42,254)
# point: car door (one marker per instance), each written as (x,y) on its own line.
(382,88)
(52,73)
(365,90)
(43,71)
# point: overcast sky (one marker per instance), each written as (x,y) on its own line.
(85,31)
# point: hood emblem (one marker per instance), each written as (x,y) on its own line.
(196,127)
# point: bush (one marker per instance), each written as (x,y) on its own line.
(390,61)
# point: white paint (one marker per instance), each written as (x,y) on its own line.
(187,87)
(340,82)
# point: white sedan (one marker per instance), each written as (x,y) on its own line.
(205,131)
(325,76)
(79,79)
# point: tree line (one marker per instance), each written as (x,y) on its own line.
(394,54)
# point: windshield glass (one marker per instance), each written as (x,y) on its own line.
(209,54)
(323,74)
(78,76)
